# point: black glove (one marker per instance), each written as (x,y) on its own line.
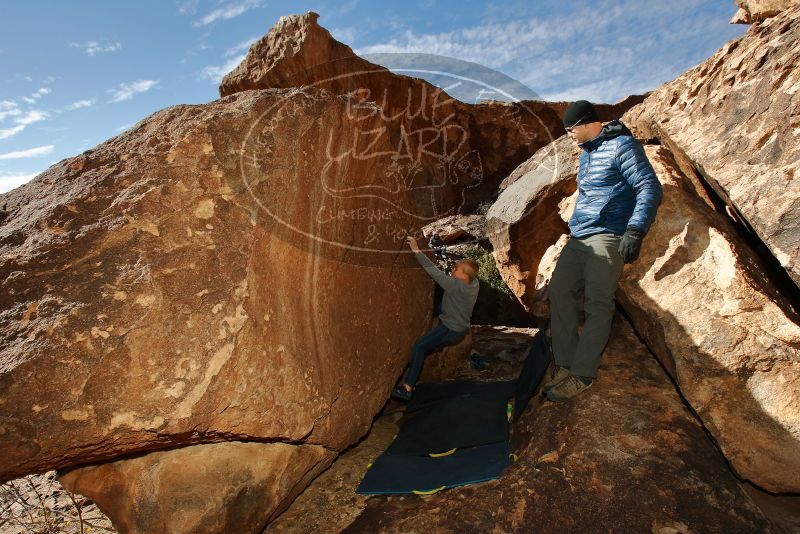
(630,244)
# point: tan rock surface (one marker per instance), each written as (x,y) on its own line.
(759,10)
(524,221)
(153,299)
(297,51)
(210,488)
(735,119)
(695,295)
(448,361)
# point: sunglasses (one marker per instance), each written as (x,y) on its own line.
(577,123)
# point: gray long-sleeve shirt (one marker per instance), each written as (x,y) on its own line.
(459,297)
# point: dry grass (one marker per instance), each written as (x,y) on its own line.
(38,504)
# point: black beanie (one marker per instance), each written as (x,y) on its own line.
(580,112)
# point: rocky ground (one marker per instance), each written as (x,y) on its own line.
(628,456)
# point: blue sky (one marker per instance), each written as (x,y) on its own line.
(76,73)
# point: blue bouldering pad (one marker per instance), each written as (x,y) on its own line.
(399,473)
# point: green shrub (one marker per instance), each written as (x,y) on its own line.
(487,268)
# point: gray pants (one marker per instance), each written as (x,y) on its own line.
(594,265)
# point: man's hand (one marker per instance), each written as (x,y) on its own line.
(412,243)
(630,245)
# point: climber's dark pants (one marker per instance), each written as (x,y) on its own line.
(594,265)
(437,337)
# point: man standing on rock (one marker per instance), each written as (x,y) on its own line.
(618,196)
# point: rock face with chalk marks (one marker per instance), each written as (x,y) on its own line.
(151,299)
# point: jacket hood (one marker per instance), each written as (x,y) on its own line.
(610,130)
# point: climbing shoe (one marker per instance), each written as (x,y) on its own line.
(560,374)
(401,393)
(568,388)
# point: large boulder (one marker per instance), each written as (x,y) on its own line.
(160,291)
(298,51)
(209,488)
(733,121)
(697,297)
(523,223)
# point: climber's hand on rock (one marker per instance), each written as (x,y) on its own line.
(412,243)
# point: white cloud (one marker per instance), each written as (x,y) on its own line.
(14,130)
(29,153)
(9,181)
(228,11)
(215,73)
(31,116)
(80,104)
(36,95)
(123,128)
(127,90)
(187,7)
(22,120)
(347,7)
(344,35)
(92,48)
(8,109)
(243,46)
(569,52)
(490,44)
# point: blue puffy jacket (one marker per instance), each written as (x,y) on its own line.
(617,186)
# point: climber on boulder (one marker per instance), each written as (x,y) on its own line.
(460,293)
(618,196)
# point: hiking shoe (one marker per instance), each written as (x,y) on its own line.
(568,388)
(560,374)
(401,393)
